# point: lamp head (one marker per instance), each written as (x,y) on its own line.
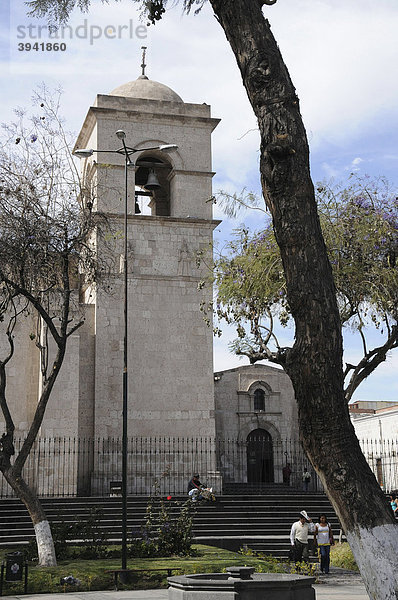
(83,152)
(120,134)
(168,147)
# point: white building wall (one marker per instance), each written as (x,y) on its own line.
(383,425)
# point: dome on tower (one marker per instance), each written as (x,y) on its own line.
(146,89)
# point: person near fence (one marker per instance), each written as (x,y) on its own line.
(299,537)
(194,488)
(323,536)
(286,472)
(306,479)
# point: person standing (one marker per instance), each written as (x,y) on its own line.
(323,536)
(286,472)
(299,536)
(394,505)
(306,479)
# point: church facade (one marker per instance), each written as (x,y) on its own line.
(232,426)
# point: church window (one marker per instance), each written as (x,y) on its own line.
(259,399)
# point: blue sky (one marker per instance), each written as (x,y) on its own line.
(342,57)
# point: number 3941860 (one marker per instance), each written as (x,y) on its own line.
(42,47)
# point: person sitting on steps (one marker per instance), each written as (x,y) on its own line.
(194,488)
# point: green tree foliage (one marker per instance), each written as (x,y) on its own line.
(360,228)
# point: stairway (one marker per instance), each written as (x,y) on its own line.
(260,522)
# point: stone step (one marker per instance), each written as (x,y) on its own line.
(261,522)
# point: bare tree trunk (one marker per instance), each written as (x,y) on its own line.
(13,473)
(314,364)
(44,540)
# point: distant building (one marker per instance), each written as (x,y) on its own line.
(256,408)
(376,425)
(375,420)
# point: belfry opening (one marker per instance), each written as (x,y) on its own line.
(152,186)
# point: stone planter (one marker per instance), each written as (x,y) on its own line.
(241,583)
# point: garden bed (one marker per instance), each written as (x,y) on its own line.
(92,574)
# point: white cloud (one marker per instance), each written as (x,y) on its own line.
(357,161)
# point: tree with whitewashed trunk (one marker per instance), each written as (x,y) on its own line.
(314,363)
(46,227)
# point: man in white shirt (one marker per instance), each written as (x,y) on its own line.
(299,536)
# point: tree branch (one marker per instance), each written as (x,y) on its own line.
(10,426)
(369,363)
(35,303)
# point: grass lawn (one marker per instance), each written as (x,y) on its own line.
(92,575)
(341,556)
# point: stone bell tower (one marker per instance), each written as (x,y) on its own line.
(170,348)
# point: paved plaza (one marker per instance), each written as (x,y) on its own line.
(338,585)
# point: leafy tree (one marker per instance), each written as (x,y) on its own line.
(46,225)
(360,228)
(314,363)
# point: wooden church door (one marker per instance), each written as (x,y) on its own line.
(260,457)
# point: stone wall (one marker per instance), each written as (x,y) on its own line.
(170,346)
(236,416)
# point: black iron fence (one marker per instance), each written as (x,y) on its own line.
(61,467)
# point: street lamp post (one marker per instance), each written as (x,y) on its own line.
(126,152)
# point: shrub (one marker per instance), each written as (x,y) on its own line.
(174,536)
(63,533)
(88,530)
(30,551)
(269,563)
(304,568)
(164,534)
(94,537)
(341,556)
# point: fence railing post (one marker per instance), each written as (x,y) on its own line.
(86,466)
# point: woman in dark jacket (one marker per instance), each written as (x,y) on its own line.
(194,487)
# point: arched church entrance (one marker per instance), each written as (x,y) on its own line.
(260,457)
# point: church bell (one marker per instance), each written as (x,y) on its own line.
(153,182)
